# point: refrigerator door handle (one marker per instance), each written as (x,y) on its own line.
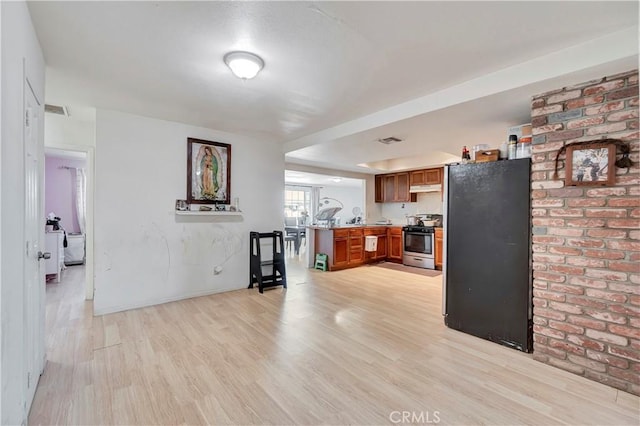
(445,205)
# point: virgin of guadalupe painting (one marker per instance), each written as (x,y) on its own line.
(208,172)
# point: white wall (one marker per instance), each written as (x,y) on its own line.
(428,202)
(350,196)
(18,43)
(61,130)
(145,254)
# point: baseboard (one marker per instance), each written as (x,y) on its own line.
(160,301)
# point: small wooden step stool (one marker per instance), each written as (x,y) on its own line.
(278,275)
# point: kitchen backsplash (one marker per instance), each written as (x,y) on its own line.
(428,202)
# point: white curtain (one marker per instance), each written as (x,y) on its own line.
(81,198)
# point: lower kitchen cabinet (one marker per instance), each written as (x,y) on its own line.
(340,255)
(394,253)
(381,250)
(345,246)
(438,248)
(356,246)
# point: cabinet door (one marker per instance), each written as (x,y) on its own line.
(381,253)
(379,197)
(395,244)
(389,190)
(340,252)
(356,255)
(402,187)
(433,176)
(438,248)
(417,177)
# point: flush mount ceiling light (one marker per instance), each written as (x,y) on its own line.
(243,65)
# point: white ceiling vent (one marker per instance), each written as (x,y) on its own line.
(56,109)
(389,140)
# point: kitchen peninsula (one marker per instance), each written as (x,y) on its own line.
(345,245)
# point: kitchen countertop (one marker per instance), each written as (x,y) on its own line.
(325,228)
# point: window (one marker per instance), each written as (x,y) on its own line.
(297,201)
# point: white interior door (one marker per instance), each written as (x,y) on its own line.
(34,285)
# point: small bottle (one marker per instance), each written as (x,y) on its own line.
(504,150)
(513,147)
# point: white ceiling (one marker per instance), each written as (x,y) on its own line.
(292,177)
(334,71)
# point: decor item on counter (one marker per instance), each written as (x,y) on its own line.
(208,172)
(327,213)
(221,208)
(181,205)
(591,162)
(244,65)
(205,209)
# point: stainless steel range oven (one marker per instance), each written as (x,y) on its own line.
(418,246)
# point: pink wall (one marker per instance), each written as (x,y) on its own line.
(60,191)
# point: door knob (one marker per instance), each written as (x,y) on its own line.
(45,255)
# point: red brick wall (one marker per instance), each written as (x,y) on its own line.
(586,240)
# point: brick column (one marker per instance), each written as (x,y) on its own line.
(586,240)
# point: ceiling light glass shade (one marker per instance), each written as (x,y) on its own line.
(244,65)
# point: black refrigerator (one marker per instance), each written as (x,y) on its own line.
(487,279)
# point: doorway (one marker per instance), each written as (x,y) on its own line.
(66,205)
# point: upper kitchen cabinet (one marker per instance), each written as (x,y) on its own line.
(394,188)
(379,197)
(426,177)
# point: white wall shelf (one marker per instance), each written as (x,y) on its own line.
(206,213)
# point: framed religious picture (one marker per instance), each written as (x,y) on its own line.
(590,165)
(208,172)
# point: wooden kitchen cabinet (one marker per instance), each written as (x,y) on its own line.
(389,189)
(379,193)
(433,176)
(393,188)
(345,246)
(356,247)
(438,248)
(381,250)
(340,253)
(426,177)
(394,252)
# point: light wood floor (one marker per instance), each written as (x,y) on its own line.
(348,347)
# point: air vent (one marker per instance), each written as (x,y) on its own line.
(56,109)
(389,140)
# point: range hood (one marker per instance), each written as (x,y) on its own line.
(425,188)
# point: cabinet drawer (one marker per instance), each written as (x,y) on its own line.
(354,233)
(395,231)
(340,233)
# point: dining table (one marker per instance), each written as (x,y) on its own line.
(298,231)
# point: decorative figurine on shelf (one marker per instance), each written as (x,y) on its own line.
(205,209)
(220,208)
(181,205)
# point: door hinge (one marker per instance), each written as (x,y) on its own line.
(27,117)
